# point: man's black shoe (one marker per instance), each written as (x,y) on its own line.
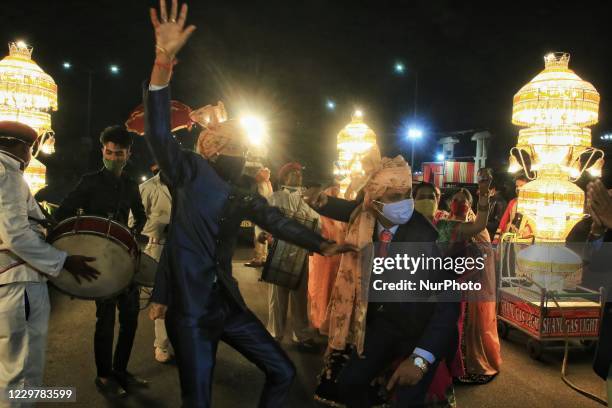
(111,388)
(127,379)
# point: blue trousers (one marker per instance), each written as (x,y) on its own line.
(195,348)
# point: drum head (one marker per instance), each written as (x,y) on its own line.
(145,274)
(114,262)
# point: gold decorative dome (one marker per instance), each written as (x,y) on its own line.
(555,97)
(356,137)
(556,107)
(27,93)
(354,140)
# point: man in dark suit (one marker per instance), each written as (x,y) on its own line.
(425,332)
(600,207)
(204,304)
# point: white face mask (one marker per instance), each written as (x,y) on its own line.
(398,212)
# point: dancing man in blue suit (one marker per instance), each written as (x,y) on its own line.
(204,304)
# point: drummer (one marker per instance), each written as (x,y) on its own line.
(157,203)
(25,262)
(110,192)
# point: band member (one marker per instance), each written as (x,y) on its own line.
(26,261)
(157,203)
(110,192)
(204,304)
(264,188)
(289,199)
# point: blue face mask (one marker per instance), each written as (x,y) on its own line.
(398,212)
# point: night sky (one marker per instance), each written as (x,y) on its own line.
(284,60)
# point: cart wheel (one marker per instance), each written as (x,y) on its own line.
(503,329)
(535,349)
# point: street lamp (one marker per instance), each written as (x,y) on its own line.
(414,133)
(331,105)
(440,157)
(399,68)
(113,68)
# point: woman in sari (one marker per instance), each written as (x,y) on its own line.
(323,270)
(480,348)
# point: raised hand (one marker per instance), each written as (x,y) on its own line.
(484,182)
(170,34)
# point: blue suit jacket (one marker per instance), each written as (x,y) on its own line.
(206,217)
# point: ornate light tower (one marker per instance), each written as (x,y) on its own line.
(554,149)
(353,141)
(556,107)
(28,95)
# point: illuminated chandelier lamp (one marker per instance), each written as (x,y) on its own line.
(354,140)
(28,95)
(555,107)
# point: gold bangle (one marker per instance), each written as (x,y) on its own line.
(161,49)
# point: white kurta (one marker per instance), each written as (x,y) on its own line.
(290,199)
(157,203)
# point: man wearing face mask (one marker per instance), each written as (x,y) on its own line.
(382,333)
(110,192)
(26,261)
(195,289)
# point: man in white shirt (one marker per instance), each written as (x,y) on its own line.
(25,262)
(264,188)
(289,199)
(157,203)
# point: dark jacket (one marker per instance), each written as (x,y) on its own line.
(496,212)
(102,194)
(429,325)
(205,220)
(601,269)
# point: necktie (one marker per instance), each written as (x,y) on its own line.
(384,239)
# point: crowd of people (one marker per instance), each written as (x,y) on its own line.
(403,354)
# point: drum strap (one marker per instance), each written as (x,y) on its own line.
(48,222)
(16,261)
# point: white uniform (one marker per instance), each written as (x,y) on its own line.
(157,203)
(261,249)
(25,262)
(290,199)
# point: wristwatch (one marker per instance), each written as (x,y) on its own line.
(420,362)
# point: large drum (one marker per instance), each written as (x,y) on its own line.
(287,263)
(145,273)
(113,246)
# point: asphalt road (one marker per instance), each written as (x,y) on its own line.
(523,382)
